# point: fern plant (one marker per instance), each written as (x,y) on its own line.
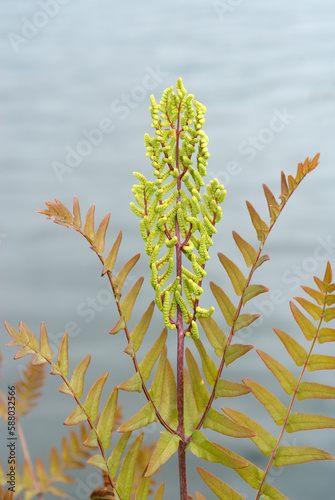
(178,222)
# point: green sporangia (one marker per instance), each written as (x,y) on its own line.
(178,218)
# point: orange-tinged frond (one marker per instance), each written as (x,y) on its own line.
(26,333)
(227,308)
(201,447)
(306,326)
(261,260)
(235,351)
(263,439)
(99,462)
(312,309)
(220,423)
(76,213)
(133,384)
(112,256)
(208,366)
(45,350)
(261,228)
(120,325)
(147,364)
(142,418)
(248,251)
(127,470)
(221,489)
(130,299)
(228,389)
(198,496)
(329,314)
(99,239)
(77,378)
(42,476)
(200,390)
(320,362)
(115,458)
(168,407)
(28,388)
(245,320)
(89,223)
(235,275)
(191,413)
(92,400)
(296,351)
(272,493)
(252,291)
(166,446)
(308,421)
(284,186)
(328,275)
(62,358)
(286,379)
(214,334)
(289,455)
(106,420)
(157,384)
(315,294)
(121,276)
(76,416)
(273,405)
(271,200)
(160,492)
(326,335)
(142,326)
(309,390)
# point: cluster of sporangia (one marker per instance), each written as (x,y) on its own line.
(170,207)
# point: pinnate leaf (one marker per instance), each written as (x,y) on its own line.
(252,291)
(133,384)
(263,439)
(168,408)
(143,417)
(326,335)
(166,446)
(160,492)
(142,326)
(273,405)
(92,400)
(236,277)
(112,256)
(220,423)
(157,384)
(320,362)
(115,458)
(89,223)
(106,419)
(245,320)
(269,492)
(127,470)
(129,300)
(248,252)
(152,355)
(202,448)
(235,351)
(45,350)
(227,308)
(260,226)
(307,327)
(309,390)
(191,413)
(312,309)
(99,239)
(62,358)
(214,334)
(76,213)
(289,455)
(199,388)
(286,379)
(221,489)
(98,461)
(121,276)
(228,389)
(296,351)
(77,379)
(307,421)
(208,366)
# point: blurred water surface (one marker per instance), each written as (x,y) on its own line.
(265,71)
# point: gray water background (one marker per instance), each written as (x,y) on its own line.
(68,70)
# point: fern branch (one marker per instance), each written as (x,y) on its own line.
(302,171)
(60,215)
(273,454)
